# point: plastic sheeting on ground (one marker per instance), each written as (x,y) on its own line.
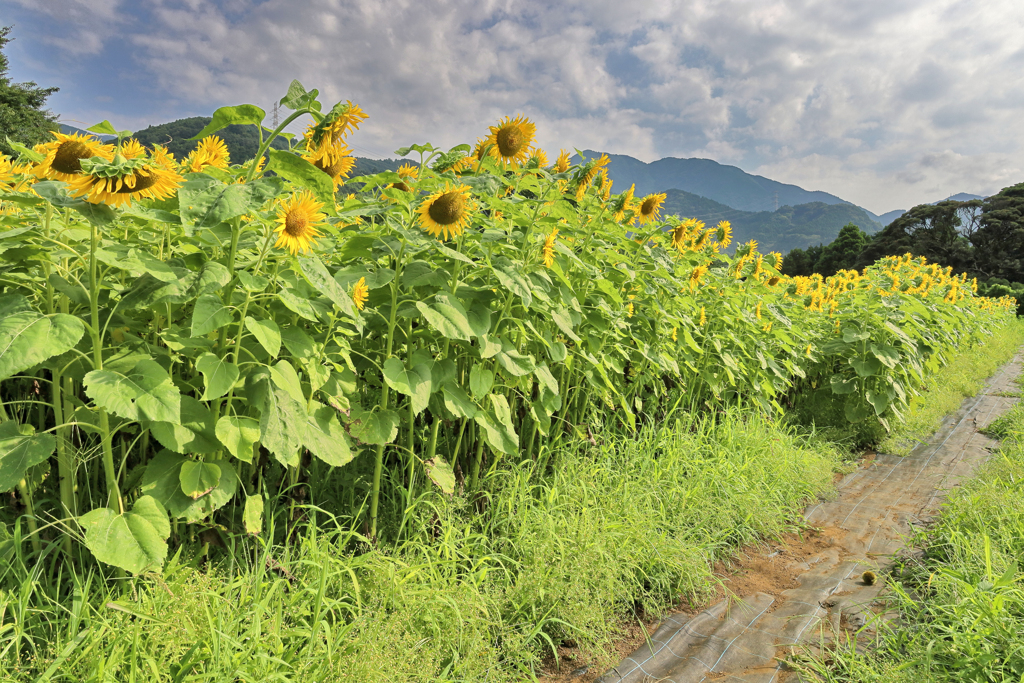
(868,523)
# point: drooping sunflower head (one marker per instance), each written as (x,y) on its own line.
(407,172)
(211,151)
(118,181)
(6,171)
(624,203)
(537,158)
(649,209)
(723,233)
(360,293)
(297,222)
(604,183)
(63,156)
(447,212)
(132,149)
(562,162)
(549,248)
(511,140)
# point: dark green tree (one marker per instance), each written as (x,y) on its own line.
(802,261)
(842,253)
(22,116)
(940,232)
(999,241)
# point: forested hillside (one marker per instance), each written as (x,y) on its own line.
(788,228)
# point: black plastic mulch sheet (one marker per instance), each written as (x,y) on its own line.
(871,518)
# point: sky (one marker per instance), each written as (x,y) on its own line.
(885,103)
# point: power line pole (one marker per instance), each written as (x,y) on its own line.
(776,200)
(276,106)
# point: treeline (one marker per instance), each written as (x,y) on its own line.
(243,142)
(984,238)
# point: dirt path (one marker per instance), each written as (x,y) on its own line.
(810,584)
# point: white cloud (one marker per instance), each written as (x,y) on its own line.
(882,102)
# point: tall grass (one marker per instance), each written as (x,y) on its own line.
(962,606)
(479,588)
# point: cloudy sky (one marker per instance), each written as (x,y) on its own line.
(886,103)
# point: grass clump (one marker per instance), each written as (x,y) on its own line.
(478,590)
(962,606)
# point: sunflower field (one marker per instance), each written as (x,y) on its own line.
(179,339)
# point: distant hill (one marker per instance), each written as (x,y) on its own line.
(790,227)
(727,185)
(242,142)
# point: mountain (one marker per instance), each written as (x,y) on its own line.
(790,227)
(887,218)
(727,185)
(242,142)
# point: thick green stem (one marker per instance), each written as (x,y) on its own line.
(378,465)
(30,513)
(113,494)
(474,474)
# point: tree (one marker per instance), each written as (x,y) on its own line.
(999,241)
(935,231)
(22,117)
(842,253)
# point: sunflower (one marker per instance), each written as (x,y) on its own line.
(63,156)
(537,158)
(723,233)
(562,162)
(549,248)
(649,208)
(624,203)
(118,181)
(6,171)
(406,172)
(511,140)
(703,317)
(360,293)
(297,221)
(324,141)
(211,151)
(339,169)
(696,275)
(447,211)
(604,184)
(675,337)
(132,149)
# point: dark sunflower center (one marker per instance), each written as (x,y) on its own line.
(295,224)
(335,169)
(648,206)
(69,156)
(448,208)
(510,141)
(143,181)
(403,187)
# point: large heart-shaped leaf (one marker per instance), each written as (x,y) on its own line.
(415,383)
(135,541)
(441,474)
(198,478)
(209,314)
(447,316)
(218,375)
(27,339)
(195,431)
(239,435)
(377,427)
(20,449)
(145,393)
(326,438)
(162,481)
(267,333)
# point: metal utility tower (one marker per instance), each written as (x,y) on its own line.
(776,194)
(276,106)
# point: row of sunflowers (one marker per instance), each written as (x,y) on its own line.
(178,339)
